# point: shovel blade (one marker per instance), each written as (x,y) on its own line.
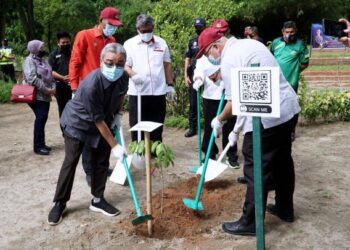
(141,219)
(119,175)
(214,169)
(193,204)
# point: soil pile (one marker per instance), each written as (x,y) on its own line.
(221,200)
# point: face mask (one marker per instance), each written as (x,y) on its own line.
(292,38)
(146,37)
(65,48)
(109,30)
(112,73)
(214,61)
(41,53)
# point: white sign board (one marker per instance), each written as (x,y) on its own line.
(146,126)
(256,91)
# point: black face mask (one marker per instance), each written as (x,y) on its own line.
(292,38)
(41,54)
(199,31)
(66,48)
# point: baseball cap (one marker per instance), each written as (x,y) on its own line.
(220,24)
(200,22)
(112,15)
(207,37)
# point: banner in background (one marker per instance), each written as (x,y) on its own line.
(321,41)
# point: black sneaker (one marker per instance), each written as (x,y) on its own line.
(55,215)
(232,164)
(103,207)
(190,133)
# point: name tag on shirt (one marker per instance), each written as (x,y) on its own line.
(158,49)
(58,56)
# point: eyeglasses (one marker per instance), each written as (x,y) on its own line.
(110,64)
(143,31)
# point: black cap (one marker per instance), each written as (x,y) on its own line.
(199,22)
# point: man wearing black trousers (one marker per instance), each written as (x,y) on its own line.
(59,61)
(190,65)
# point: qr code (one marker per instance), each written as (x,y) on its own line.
(255,87)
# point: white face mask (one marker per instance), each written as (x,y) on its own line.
(146,37)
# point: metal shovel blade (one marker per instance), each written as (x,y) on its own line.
(141,219)
(119,175)
(214,169)
(193,204)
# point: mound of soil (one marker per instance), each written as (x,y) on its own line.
(221,199)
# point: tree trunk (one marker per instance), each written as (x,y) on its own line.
(25,10)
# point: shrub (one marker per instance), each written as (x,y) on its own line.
(5,91)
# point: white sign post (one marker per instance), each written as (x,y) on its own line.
(256,92)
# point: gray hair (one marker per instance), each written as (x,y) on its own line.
(115,48)
(144,20)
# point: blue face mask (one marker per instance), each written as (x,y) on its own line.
(109,30)
(214,61)
(112,73)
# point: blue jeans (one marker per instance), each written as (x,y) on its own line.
(41,111)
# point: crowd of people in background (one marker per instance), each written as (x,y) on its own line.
(91,79)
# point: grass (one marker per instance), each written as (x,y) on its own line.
(5,91)
(328,68)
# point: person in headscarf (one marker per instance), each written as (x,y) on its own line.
(38,72)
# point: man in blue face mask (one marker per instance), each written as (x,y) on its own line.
(87,120)
(85,58)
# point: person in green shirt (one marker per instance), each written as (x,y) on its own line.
(291,53)
(293,57)
(7,59)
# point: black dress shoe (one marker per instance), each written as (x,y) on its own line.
(190,133)
(48,148)
(272,209)
(242,180)
(42,151)
(239,228)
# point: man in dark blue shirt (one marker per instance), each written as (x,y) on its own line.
(190,65)
(87,119)
(59,61)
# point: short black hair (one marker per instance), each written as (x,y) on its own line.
(62,34)
(289,24)
(254,29)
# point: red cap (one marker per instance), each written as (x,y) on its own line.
(112,15)
(207,37)
(220,24)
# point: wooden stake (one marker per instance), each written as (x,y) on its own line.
(148,180)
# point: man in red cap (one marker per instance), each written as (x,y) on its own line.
(86,56)
(276,132)
(222,26)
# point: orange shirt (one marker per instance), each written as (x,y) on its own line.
(86,54)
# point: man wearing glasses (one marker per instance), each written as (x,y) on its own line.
(149,67)
(87,120)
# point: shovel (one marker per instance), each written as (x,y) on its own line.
(215,168)
(196,204)
(119,174)
(140,217)
(199,143)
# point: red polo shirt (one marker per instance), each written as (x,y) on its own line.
(86,54)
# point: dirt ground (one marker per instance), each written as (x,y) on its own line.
(28,181)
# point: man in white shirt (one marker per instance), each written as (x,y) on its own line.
(276,132)
(149,67)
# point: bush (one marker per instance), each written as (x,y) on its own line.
(5,91)
(319,106)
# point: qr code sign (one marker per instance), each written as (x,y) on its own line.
(255,86)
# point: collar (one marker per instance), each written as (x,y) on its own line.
(97,32)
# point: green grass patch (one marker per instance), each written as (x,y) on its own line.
(328,68)
(5,91)
(331,55)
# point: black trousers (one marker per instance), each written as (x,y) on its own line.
(63,95)
(153,109)
(8,71)
(277,162)
(41,111)
(192,97)
(99,161)
(210,108)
